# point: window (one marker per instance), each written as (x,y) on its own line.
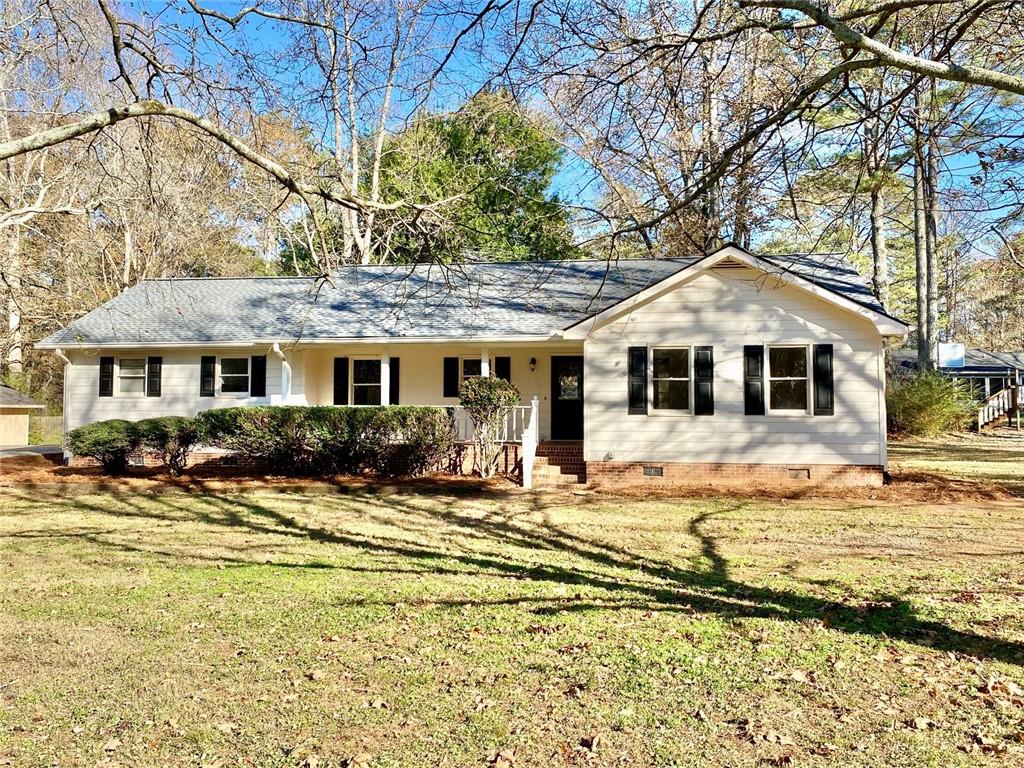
(131,376)
(366,382)
(787,378)
(670,378)
(472,368)
(234,375)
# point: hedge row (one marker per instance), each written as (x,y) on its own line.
(390,440)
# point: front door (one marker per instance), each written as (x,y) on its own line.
(567,397)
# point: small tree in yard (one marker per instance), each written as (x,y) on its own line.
(487,401)
(173,437)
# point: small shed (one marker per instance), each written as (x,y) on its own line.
(14,411)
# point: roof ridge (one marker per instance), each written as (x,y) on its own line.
(512,262)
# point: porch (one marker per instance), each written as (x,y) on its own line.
(549,378)
(431,373)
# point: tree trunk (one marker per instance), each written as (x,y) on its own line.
(15,352)
(710,149)
(924,360)
(932,233)
(879,246)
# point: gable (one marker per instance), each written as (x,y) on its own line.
(736,304)
(821,297)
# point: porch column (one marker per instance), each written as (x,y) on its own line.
(485,364)
(385,378)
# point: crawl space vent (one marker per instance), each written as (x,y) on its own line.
(654,471)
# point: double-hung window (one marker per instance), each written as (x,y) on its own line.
(472,368)
(234,375)
(788,381)
(670,379)
(131,376)
(366,383)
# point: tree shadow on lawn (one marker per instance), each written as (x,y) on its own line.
(632,580)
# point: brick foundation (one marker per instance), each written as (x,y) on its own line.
(612,474)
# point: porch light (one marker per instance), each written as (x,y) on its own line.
(533,364)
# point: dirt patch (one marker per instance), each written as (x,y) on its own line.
(34,472)
(904,487)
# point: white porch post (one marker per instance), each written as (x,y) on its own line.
(485,364)
(385,378)
(531,436)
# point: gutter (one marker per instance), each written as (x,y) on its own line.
(552,337)
(64,397)
(286,372)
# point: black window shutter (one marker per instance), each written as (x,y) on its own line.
(154,373)
(704,381)
(753,380)
(503,368)
(207,376)
(451,377)
(341,381)
(106,377)
(824,387)
(637,365)
(258,376)
(393,379)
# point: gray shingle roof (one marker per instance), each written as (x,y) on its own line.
(12,398)
(422,301)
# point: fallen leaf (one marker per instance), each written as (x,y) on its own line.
(799,676)
(112,745)
(226,727)
(504,758)
(315,674)
(359,760)
(592,742)
(921,723)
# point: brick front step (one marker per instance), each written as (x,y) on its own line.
(560,465)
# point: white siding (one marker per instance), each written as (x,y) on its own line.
(421,378)
(180,386)
(421,372)
(728,309)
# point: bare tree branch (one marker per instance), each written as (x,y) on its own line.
(961,73)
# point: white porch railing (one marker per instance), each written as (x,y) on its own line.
(516,422)
(522,426)
(1002,402)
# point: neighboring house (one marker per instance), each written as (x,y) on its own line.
(730,365)
(14,412)
(986,371)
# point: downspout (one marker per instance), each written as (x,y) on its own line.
(286,373)
(64,397)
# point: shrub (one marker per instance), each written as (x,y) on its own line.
(173,437)
(109,442)
(928,404)
(399,440)
(389,440)
(286,438)
(487,400)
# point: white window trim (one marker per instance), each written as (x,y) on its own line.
(117,376)
(248,377)
(352,380)
(651,410)
(809,378)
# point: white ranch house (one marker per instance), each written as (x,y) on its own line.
(729,366)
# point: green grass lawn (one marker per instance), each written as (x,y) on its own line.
(419,628)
